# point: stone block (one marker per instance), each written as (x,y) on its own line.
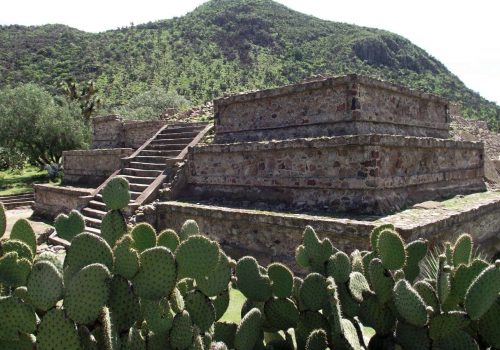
(347,105)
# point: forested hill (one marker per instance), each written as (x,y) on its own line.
(223,46)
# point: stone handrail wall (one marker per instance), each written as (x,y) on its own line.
(331,106)
(50,200)
(91,167)
(113,131)
(365,173)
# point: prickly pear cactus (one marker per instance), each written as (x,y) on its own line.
(68,226)
(138,290)
(116,194)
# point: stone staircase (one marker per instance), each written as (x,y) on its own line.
(147,168)
(14,201)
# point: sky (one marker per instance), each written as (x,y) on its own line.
(464,35)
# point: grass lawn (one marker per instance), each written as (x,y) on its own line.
(233,313)
(13,182)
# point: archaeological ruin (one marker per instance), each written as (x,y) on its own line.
(343,154)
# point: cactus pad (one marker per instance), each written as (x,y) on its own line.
(462,250)
(143,237)
(168,239)
(68,226)
(87,248)
(318,251)
(57,332)
(313,293)
(3,220)
(374,235)
(483,292)
(87,293)
(416,251)
(23,231)
(157,274)
(15,317)
(181,334)
(281,314)
(409,304)
(197,256)
(45,285)
(251,282)
(126,258)
(22,249)
(358,285)
(217,280)
(376,315)
(488,325)
(116,194)
(317,340)
(188,229)
(339,267)
(158,315)
(428,294)
(445,325)
(221,303)
(201,309)
(225,332)
(281,280)
(391,250)
(249,330)
(13,270)
(113,227)
(123,303)
(411,337)
(381,280)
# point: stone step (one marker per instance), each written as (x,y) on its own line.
(162,153)
(148,166)
(17,204)
(187,128)
(93,230)
(166,134)
(93,213)
(16,197)
(92,222)
(165,147)
(138,187)
(141,172)
(171,141)
(139,179)
(133,195)
(98,205)
(151,159)
(176,135)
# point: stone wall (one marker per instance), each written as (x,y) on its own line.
(92,167)
(273,236)
(115,132)
(362,174)
(50,201)
(347,105)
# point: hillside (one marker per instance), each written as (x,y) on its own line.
(224,46)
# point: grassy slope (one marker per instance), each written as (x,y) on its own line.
(13,182)
(224,46)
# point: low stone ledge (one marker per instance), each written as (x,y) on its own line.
(273,236)
(50,200)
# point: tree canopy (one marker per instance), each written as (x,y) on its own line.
(41,127)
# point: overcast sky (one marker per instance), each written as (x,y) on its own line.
(464,35)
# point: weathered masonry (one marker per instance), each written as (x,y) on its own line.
(349,144)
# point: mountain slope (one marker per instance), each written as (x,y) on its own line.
(224,46)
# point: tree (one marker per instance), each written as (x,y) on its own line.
(87,98)
(151,104)
(33,123)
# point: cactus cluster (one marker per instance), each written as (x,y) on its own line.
(139,289)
